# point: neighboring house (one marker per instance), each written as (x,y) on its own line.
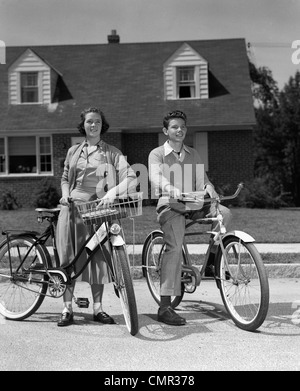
(44,88)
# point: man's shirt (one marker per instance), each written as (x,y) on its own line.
(185,171)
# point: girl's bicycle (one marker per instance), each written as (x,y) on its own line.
(28,272)
(238,268)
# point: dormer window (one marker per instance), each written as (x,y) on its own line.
(29,87)
(186,75)
(29,80)
(186,83)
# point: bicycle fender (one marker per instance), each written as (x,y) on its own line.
(117,240)
(241,235)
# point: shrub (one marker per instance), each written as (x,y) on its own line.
(9,202)
(47,195)
(261,194)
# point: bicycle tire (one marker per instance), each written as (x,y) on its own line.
(20,296)
(243,283)
(152,254)
(124,287)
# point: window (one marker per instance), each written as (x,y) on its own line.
(29,87)
(186,84)
(2,156)
(45,154)
(26,155)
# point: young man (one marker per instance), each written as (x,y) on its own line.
(175,168)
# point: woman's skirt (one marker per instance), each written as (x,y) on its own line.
(71,234)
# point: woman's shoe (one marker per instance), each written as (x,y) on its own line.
(66,319)
(103,317)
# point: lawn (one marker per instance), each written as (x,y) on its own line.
(265,225)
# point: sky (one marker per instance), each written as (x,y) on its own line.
(269,26)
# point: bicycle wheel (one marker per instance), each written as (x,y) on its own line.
(243,283)
(21,292)
(124,287)
(153,251)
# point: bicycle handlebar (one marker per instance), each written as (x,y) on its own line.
(225,198)
(199,196)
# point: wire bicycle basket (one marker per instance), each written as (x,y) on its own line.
(121,208)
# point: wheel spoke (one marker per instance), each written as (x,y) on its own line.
(243,283)
(20,292)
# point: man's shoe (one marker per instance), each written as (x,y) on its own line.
(169,316)
(66,319)
(103,317)
(209,272)
(210,266)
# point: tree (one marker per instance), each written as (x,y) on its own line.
(268,154)
(289,100)
(277,134)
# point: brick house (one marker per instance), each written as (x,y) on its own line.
(44,88)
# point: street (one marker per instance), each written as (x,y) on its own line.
(209,340)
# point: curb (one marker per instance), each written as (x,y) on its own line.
(280,270)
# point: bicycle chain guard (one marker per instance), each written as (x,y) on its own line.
(191,278)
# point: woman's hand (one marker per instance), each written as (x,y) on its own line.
(107,200)
(64,201)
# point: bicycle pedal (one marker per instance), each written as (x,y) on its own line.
(82,302)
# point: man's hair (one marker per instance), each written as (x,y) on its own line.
(172,115)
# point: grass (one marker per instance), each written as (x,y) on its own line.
(265,225)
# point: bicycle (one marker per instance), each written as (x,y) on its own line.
(28,272)
(238,269)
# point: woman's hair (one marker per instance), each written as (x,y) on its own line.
(105,124)
(172,115)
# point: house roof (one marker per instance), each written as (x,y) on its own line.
(126,81)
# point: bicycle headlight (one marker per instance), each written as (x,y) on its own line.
(115,229)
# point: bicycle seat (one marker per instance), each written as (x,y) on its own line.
(46,210)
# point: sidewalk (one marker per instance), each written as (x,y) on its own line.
(261,247)
(278,270)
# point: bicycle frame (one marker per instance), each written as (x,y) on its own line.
(219,233)
(237,268)
(49,233)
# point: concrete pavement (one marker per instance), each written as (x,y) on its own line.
(209,341)
(276,270)
(261,247)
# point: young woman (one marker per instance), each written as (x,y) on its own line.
(92,169)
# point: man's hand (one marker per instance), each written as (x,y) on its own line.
(173,192)
(210,190)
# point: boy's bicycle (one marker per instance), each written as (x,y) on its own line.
(238,268)
(28,272)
